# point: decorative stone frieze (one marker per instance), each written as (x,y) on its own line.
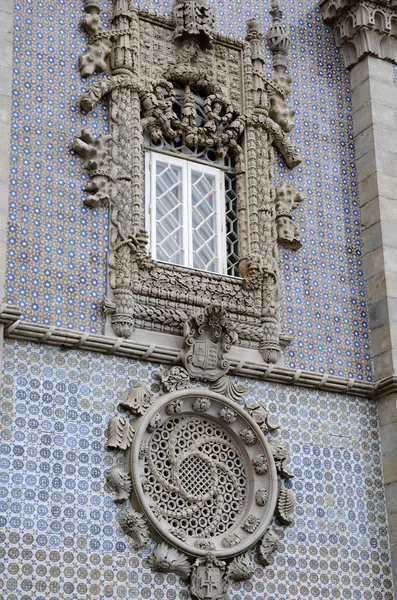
(362,28)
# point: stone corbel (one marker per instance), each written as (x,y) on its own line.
(363,27)
(287,199)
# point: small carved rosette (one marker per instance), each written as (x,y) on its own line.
(199,481)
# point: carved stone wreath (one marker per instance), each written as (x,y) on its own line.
(144,55)
(201,477)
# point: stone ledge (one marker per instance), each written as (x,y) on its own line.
(14,327)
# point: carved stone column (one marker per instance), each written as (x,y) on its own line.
(365,32)
(125,211)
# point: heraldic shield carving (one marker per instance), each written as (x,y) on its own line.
(202,480)
(208,336)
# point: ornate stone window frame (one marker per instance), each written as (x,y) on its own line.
(141,55)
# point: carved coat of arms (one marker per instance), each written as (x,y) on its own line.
(208,581)
(208,337)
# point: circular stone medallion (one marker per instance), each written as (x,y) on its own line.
(204,476)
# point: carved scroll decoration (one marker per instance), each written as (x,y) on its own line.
(143,56)
(201,476)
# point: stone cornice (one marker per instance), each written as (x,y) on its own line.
(14,327)
(362,28)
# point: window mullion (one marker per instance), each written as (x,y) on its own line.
(187,194)
(221,225)
(152,203)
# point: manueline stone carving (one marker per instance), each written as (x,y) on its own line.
(251,523)
(165,559)
(287,199)
(134,524)
(209,579)
(362,27)
(185,445)
(226,386)
(119,479)
(241,568)
(260,464)
(201,487)
(95,58)
(261,416)
(194,18)
(242,123)
(175,378)
(96,154)
(138,399)
(261,497)
(248,436)
(267,546)
(281,458)
(231,540)
(285,506)
(208,337)
(120,433)
(201,404)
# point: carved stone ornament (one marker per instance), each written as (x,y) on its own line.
(192,481)
(287,199)
(363,27)
(208,337)
(146,60)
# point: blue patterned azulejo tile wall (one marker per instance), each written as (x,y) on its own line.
(58,519)
(56,261)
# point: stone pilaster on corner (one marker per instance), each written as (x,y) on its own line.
(363,28)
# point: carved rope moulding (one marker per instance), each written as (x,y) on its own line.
(194,476)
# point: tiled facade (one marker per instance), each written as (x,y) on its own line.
(58,519)
(59,535)
(57,247)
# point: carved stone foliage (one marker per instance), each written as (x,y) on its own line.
(287,199)
(363,27)
(193,18)
(201,476)
(147,60)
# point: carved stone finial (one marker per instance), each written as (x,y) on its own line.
(287,199)
(194,18)
(277,38)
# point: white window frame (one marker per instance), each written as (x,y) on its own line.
(187,167)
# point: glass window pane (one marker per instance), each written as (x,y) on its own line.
(169,213)
(204,221)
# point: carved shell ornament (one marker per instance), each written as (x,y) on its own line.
(210,492)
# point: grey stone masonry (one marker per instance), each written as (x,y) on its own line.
(374,100)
